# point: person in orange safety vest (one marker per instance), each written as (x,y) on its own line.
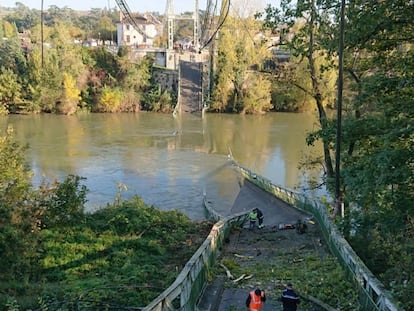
(255,300)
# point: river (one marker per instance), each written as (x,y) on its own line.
(168,161)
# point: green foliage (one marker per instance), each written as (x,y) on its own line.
(40,69)
(10,90)
(70,97)
(116,84)
(238,85)
(136,76)
(13,56)
(15,175)
(16,222)
(183,29)
(378,165)
(106,64)
(23,17)
(377,134)
(105,29)
(109,100)
(8,30)
(123,254)
(136,80)
(257,95)
(64,203)
(306,30)
(158,101)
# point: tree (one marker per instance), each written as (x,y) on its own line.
(105,29)
(308,32)
(15,175)
(135,80)
(109,100)
(13,57)
(257,95)
(70,97)
(378,166)
(15,192)
(8,30)
(23,17)
(378,163)
(63,202)
(241,54)
(35,80)
(55,15)
(62,66)
(10,90)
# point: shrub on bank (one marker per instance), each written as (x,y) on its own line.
(122,255)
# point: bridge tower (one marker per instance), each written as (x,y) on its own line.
(170,24)
(196,19)
(170,53)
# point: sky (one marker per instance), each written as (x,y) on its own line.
(134,5)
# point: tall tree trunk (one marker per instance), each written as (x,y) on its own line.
(317,94)
(357,111)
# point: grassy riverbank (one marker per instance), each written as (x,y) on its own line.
(121,255)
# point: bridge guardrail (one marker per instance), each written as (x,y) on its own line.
(184,293)
(372,293)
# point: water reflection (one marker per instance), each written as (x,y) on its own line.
(168,161)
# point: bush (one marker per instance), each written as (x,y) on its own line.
(64,202)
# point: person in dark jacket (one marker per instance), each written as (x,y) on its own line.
(255,300)
(290,299)
(260,217)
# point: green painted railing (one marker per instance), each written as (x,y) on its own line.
(372,294)
(184,293)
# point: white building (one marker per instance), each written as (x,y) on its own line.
(149,27)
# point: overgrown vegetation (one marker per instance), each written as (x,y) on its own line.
(377,162)
(377,166)
(56,256)
(63,74)
(240,87)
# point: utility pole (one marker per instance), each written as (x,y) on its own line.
(170,24)
(196,19)
(338,194)
(41,33)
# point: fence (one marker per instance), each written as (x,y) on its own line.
(184,293)
(372,294)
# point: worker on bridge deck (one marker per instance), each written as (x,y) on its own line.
(255,300)
(260,217)
(289,299)
(254,215)
(252,218)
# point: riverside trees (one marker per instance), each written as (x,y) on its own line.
(378,133)
(240,86)
(60,76)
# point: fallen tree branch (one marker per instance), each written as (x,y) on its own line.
(239,279)
(243,277)
(248,277)
(229,275)
(241,256)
